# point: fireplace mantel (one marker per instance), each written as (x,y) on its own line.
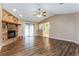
(10,22)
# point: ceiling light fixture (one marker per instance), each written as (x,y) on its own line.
(14,10)
(20,15)
(40,13)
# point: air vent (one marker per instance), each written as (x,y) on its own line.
(61,3)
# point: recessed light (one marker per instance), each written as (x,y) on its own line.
(20,15)
(14,10)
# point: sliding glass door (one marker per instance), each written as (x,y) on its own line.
(26,32)
(29,30)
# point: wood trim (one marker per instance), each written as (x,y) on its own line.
(16,23)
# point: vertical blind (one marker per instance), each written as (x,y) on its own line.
(29,30)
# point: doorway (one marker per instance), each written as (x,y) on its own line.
(29,30)
(45,27)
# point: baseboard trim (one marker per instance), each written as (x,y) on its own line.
(64,40)
(61,39)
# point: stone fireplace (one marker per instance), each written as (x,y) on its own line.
(10,30)
(10,26)
(11,34)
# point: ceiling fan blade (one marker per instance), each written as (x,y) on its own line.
(44,12)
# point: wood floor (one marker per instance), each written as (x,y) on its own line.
(40,46)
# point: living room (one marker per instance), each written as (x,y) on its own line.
(39,29)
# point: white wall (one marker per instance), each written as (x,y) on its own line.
(21,28)
(64,27)
(77,27)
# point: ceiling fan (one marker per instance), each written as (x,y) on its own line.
(40,13)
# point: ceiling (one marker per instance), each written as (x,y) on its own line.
(28,9)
